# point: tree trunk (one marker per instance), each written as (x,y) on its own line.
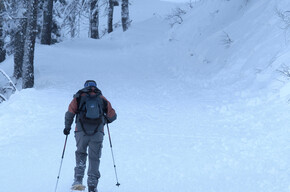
(2,50)
(47,22)
(18,36)
(110,16)
(19,40)
(73,18)
(28,58)
(125,15)
(94,20)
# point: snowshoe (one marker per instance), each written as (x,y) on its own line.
(78,187)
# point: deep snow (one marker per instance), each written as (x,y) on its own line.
(193,114)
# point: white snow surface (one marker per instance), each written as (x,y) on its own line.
(194,115)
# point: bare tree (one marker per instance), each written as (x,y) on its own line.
(47,22)
(285,22)
(284,70)
(28,58)
(71,13)
(7,87)
(125,15)
(227,41)
(176,17)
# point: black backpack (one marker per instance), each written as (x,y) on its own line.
(89,109)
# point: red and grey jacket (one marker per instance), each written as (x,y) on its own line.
(109,113)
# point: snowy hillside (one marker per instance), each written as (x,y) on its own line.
(201,106)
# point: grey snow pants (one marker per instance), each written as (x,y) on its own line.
(94,143)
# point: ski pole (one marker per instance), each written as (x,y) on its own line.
(61,163)
(118,184)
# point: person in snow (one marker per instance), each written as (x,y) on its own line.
(92,111)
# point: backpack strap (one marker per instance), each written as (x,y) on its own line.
(96,129)
(86,90)
(78,98)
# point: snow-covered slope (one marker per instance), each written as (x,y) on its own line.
(193,113)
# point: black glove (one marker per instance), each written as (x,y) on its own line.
(107,120)
(66,131)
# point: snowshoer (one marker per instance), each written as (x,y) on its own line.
(92,111)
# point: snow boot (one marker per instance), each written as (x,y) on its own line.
(78,181)
(78,184)
(92,189)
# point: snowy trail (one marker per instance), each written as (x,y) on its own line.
(200,143)
(175,131)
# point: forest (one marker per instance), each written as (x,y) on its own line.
(25,22)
